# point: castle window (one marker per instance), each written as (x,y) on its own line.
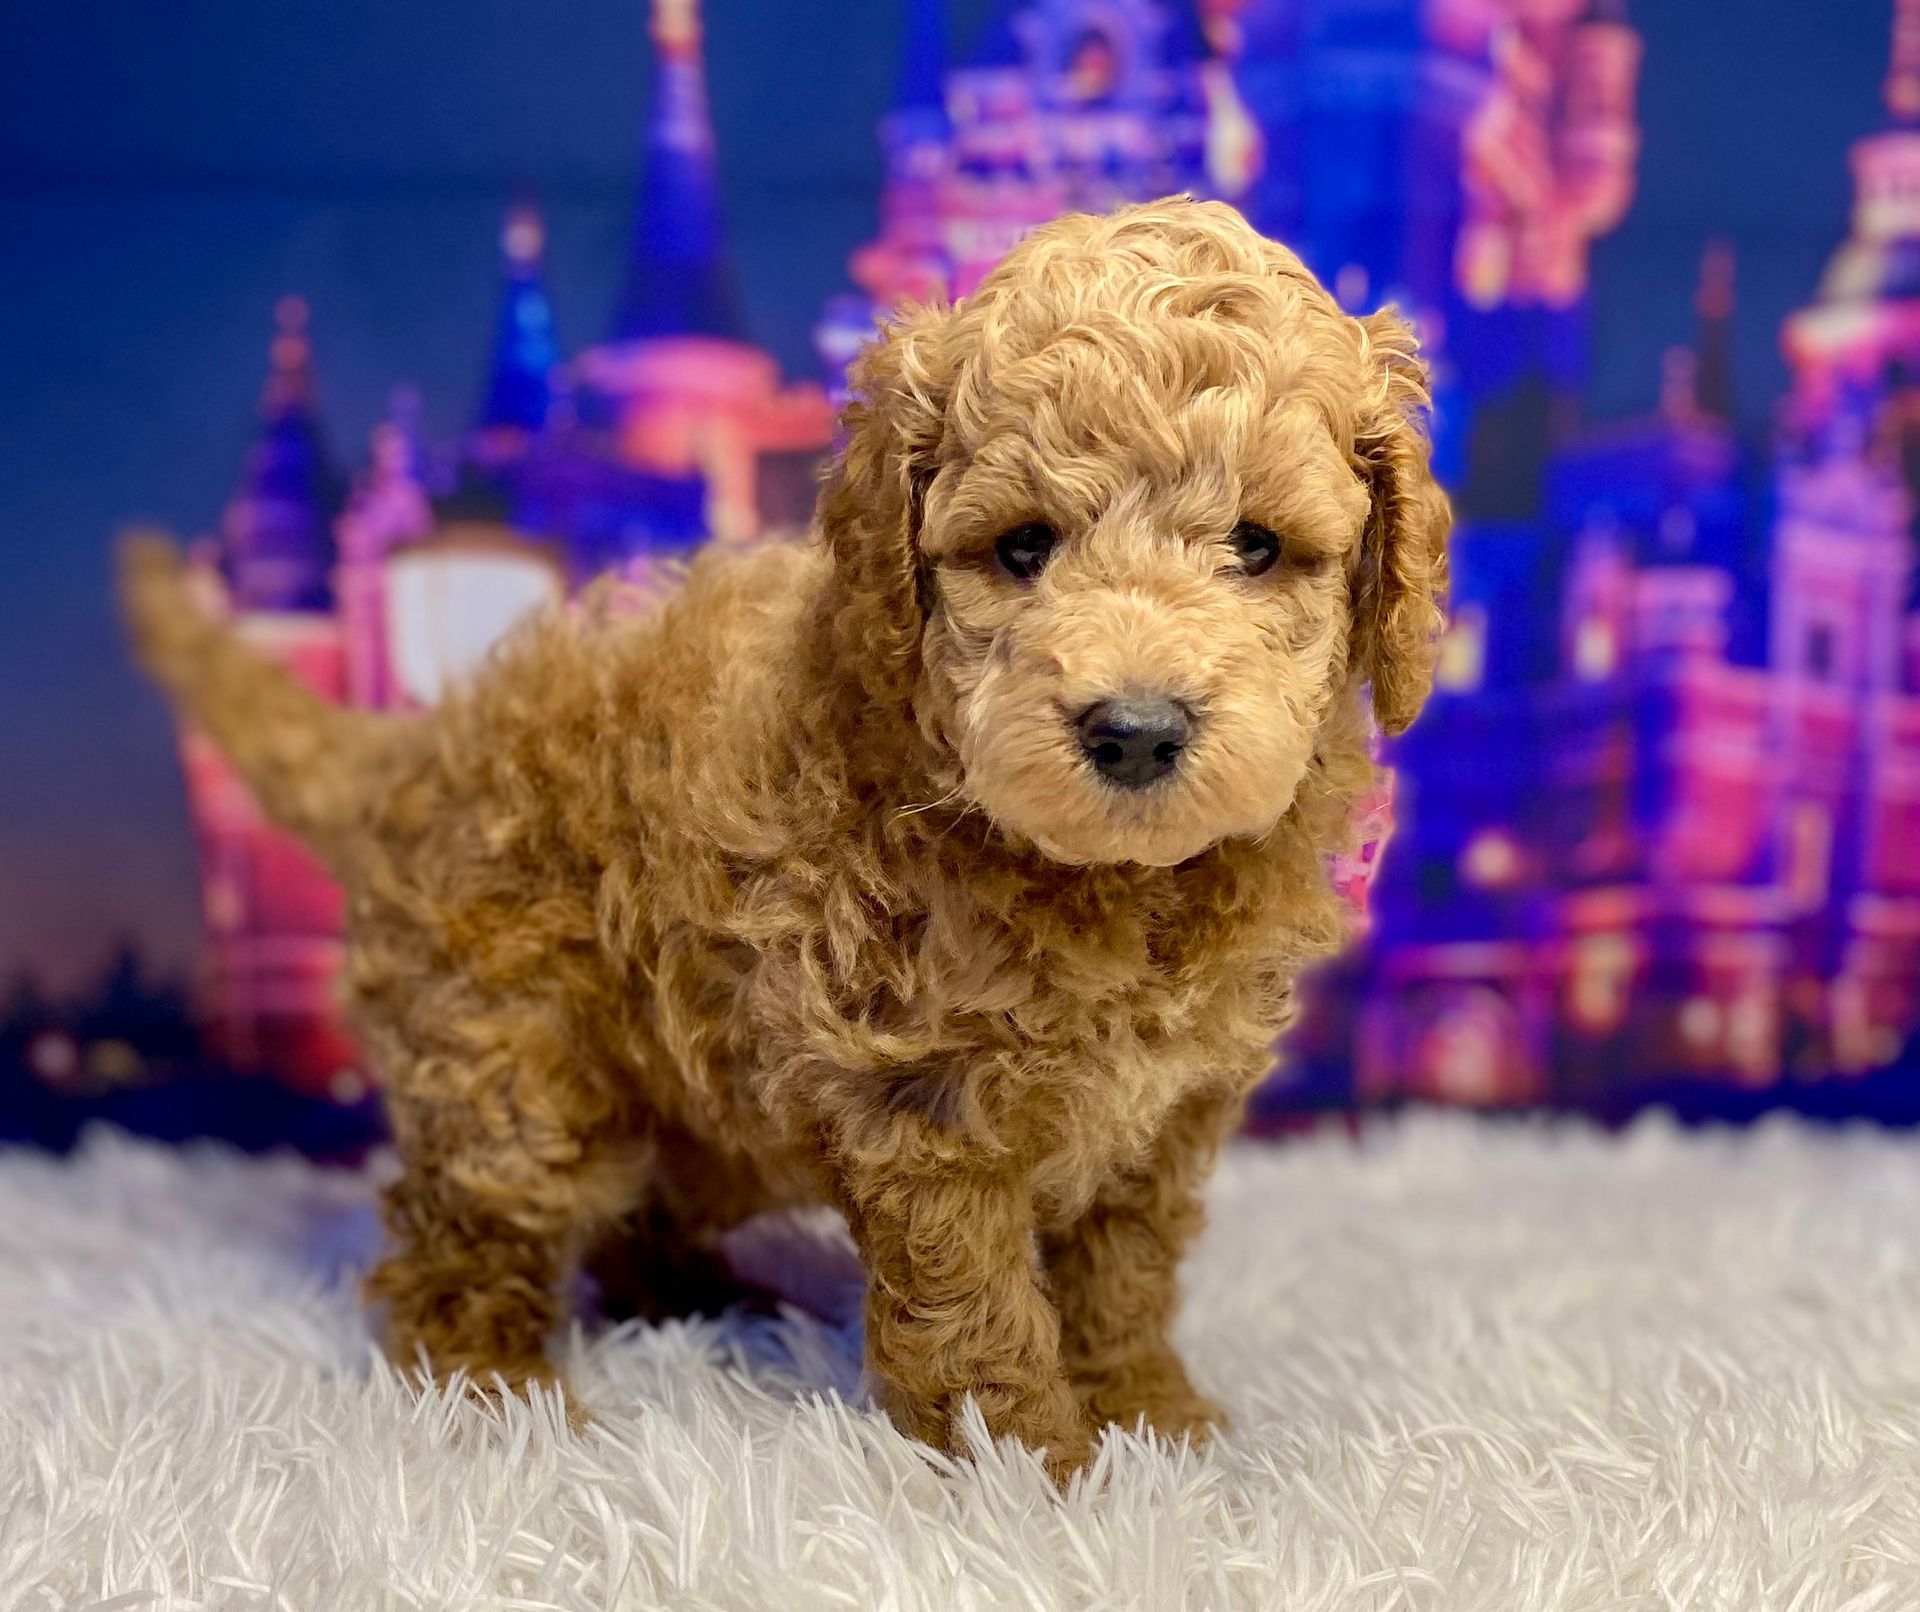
(1463,651)
(1809,856)
(450,600)
(1820,651)
(1596,648)
(1700,1022)
(1491,860)
(1093,69)
(1600,981)
(1750,1034)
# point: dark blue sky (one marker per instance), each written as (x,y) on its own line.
(167,171)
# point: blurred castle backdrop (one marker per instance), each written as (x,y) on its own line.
(1662,821)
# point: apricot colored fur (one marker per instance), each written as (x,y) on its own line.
(800,887)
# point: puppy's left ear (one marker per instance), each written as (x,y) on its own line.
(1401,597)
(871,507)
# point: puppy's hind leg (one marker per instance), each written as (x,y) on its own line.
(511,1164)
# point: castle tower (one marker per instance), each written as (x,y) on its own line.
(1003,182)
(1059,105)
(1843,553)
(519,396)
(909,261)
(1863,328)
(272,918)
(678,280)
(388,507)
(1550,154)
(1353,220)
(1713,335)
(274,531)
(1847,728)
(1483,145)
(685,392)
(1120,94)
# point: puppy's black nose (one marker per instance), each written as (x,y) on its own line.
(1133,742)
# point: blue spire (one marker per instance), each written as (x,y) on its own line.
(277,526)
(677,279)
(520,384)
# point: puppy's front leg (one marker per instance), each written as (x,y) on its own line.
(955,1306)
(1113,1275)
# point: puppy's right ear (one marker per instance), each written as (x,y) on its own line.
(870,509)
(1400,606)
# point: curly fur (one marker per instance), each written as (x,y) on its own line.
(800,887)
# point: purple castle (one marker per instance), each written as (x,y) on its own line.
(1661,818)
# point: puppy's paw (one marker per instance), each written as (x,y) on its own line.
(1051,1427)
(492,1387)
(1067,1455)
(1190,1414)
(1156,1393)
(534,1382)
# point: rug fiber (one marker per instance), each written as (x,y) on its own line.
(1469,1366)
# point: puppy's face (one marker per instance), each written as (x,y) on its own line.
(1140,610)
(1127,523)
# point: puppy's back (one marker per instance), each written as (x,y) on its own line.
(602,760)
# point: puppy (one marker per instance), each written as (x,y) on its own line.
(955,866)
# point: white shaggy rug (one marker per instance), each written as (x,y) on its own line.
(1469,1367)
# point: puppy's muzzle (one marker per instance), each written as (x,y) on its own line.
(1134,742)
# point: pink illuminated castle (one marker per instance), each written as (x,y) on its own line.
(1670,831)
(1663,822)
(672,432)
(272,917)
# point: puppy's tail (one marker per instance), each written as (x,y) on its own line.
(306,759)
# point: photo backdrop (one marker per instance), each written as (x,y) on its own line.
(1656,839)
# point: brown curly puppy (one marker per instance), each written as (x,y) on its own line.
(956,866)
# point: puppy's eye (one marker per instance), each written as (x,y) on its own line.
(1024,551)
(1255,547)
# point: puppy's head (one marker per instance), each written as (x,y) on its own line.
(1119,529)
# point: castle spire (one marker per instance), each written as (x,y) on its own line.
(1902,88)
(275,529)
(393,492)
(1880,259)
(908,261)
(519,394)
(1713,342)
(677,278)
